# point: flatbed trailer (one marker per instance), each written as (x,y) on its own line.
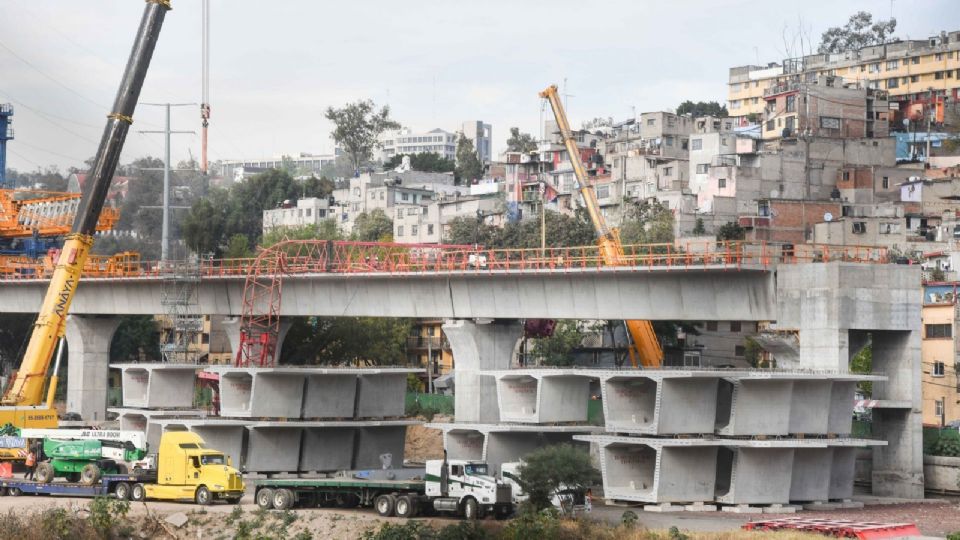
(401,498)
(118,485)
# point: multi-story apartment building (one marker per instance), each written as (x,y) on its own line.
(907,69)
(429,348)
(302,163)
(406,141)
(303,212)
(825,107)
(940,383)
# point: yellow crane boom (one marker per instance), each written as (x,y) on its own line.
(645,348)
(22,403)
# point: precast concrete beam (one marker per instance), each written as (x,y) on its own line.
(330,396)
(379,447)
(545,397)
(273,448)
(229,439)
(842,472)
(88,340)
(145,420)
(465,444)
(328,449)
(660,405)
(812,474)
(842,395)
(757,475)
(158,386)
(810,407)
(381,395)
(756,406)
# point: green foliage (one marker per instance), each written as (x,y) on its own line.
(410,530)
(347,341)
(562,231)
(646,222)
(465,530)
(373,226)
(107,513)
(546,469)
(698,228)
(629,519)
(238,247)
(675,534)
(946,447)
(954,536)
(137,339)
(520,142)
(937,274)
(533,525)
(702,108)
(862,362)
(731,231)
(468,167)
(235,515)
(356,128)
(860,31)
(753,353)
(425,162)
(325,230)
(556,350)
(204,228)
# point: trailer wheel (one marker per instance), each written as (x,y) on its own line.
(14,491)
(470,509)
(90,474)
(122,491)
(283,499)
(265,498)
(3,492)
(138,493)
(44,472)
(202,496)
(385,505)
(405,507)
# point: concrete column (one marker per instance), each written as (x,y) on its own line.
(479,347)
(231,327)
(88,340)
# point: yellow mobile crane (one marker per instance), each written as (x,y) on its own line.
(22,405)
(644,349)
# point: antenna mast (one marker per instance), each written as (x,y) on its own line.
(205,84)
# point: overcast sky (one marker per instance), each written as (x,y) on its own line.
(276,65)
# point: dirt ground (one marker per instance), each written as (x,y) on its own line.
(424,443)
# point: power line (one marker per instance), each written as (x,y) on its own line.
(72,158)
(51,78)
(25,158)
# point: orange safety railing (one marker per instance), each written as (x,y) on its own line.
(343,257)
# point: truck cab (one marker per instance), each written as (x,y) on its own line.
(188,470)
(466,487)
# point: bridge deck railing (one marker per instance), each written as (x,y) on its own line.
(369,257)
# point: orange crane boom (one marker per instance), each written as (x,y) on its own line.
(645,348)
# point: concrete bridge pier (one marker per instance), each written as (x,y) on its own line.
(88,340)
(231,327)
(481,345)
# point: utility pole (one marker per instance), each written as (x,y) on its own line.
(165,234)
(926,159)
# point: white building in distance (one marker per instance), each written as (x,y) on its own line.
(309,211)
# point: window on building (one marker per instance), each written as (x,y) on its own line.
(430,230)
(938,331)
(722,183)
(703,168)
(829,122)
(309,212)
(413,211)
(938,369)
(669,140)
(893,83)
(399,230)
(886,182)
(399,212)
(711,326)
(668,171)
(735,326)
(414,230)
(739,350)
(651,121)
(356,192)
(938,57)
(771,125)
(671,121)
(791,103)
(404,196)
(603,192)
(381,195)
(914,78)
(893,64)
(938,408)
(696,144)
(875,68)
(859,227)
(915,60)
(938,75)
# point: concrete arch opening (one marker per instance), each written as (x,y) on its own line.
(632,401)
(631,468)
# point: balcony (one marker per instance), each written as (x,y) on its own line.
(427,342)
(781,89)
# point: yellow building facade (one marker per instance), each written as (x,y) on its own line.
(906,69)
(940,383)
(427,346)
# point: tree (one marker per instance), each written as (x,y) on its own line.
(204,226)
(373,226)
(647,222)
(699,229)
(357,127)
(702,108)
(556,350)
(347,341)
(731,231)
(238,247)
(520,142)
(137,339)
(862,362)
(547,470)
(469,167)
(424,162)
(325,230)
(860,31)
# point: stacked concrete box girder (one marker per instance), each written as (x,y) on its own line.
(732,471)
(283,419)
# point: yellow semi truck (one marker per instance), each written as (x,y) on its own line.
(186,471)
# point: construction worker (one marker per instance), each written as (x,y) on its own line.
(31,463)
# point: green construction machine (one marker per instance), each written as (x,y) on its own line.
(83,455)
